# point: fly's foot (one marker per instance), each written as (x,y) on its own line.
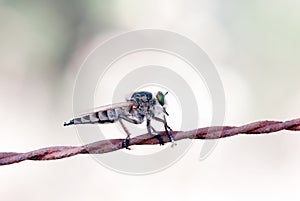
(171,138)
(160,140)
(125,143)
(173,144)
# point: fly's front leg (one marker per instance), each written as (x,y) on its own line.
(170,136)
(163,121)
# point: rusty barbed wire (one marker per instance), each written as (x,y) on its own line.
(104,146)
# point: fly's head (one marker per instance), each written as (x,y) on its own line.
(161,100)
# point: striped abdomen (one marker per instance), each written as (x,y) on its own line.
(101,117)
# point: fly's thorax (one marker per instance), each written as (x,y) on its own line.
(143,96)
(148,107)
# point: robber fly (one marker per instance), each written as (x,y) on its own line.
(142,105)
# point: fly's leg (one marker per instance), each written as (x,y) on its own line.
(153,129)
(130,120)
(127,140)
(139,121)
(170,136)
(149,127)
(163,121)
(161,142)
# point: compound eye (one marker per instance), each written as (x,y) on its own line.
(160,98)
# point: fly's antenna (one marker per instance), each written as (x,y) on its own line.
(166,93)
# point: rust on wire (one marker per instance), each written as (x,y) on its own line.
(104,146)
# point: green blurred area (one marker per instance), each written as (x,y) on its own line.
(259,40)
(51,30)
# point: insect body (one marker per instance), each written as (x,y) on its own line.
(142,105)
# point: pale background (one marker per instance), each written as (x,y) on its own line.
(254,45)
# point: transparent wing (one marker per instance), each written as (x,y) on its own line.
(108,107)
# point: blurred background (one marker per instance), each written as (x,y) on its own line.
(255,46)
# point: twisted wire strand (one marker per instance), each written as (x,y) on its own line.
(104,146)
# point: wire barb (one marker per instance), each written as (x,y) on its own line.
(104,146)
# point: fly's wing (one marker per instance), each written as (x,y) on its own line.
(104,114)
(109,107)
